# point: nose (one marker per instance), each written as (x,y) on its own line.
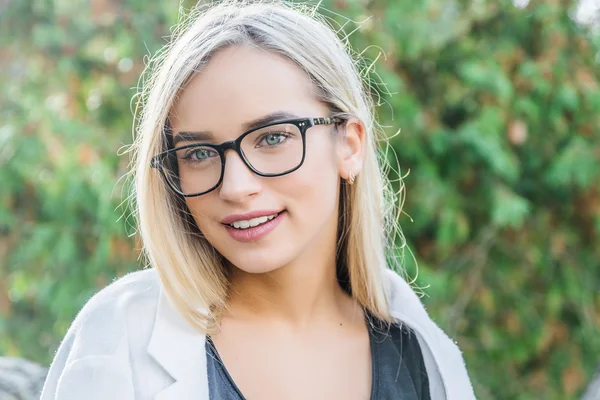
(239,182)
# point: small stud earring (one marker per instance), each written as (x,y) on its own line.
(351,177)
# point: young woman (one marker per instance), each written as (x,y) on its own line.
(262,211)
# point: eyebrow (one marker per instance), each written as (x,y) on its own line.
(198,136)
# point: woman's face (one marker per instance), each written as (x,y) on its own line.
(239,85)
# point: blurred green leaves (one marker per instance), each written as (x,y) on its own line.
(497,108)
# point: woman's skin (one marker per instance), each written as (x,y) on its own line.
(292,332)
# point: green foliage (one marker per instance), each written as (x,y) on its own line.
(497,108)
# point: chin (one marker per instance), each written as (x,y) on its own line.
(257,269)
(257,265)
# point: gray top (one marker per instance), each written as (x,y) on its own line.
(397,366)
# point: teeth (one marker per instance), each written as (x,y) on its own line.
(252,222)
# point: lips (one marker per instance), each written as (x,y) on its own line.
(253,234)
(248,216)
(251,223)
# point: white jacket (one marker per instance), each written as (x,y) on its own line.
(128,342)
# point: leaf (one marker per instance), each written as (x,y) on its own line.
(509,209)
(453,228)
(567,98)
(576,165)
(485,136)
(489,77)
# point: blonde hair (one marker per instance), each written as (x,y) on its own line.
(191,271)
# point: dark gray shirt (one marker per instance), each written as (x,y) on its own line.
(397,367)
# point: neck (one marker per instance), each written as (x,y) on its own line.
(299,294)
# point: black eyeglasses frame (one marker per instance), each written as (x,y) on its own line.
(303,125)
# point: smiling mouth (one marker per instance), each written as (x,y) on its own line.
(254,222)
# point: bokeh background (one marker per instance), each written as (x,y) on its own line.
(498,107)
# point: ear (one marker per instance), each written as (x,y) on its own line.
(351,148)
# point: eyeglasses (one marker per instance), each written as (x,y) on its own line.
(275,149)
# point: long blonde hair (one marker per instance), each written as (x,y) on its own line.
(190,269)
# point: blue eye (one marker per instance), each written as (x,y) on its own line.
(199,154)
(273,139)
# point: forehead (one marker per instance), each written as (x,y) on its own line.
(240,84)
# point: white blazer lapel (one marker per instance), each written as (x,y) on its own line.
(179,349)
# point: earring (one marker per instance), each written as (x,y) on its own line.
(351,177)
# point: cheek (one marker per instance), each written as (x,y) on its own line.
(198,207)
(313,188)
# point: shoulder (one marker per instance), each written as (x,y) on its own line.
(400,293)
(121,309)
(442,357)
(112,329)
(127,289)
(123,294)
